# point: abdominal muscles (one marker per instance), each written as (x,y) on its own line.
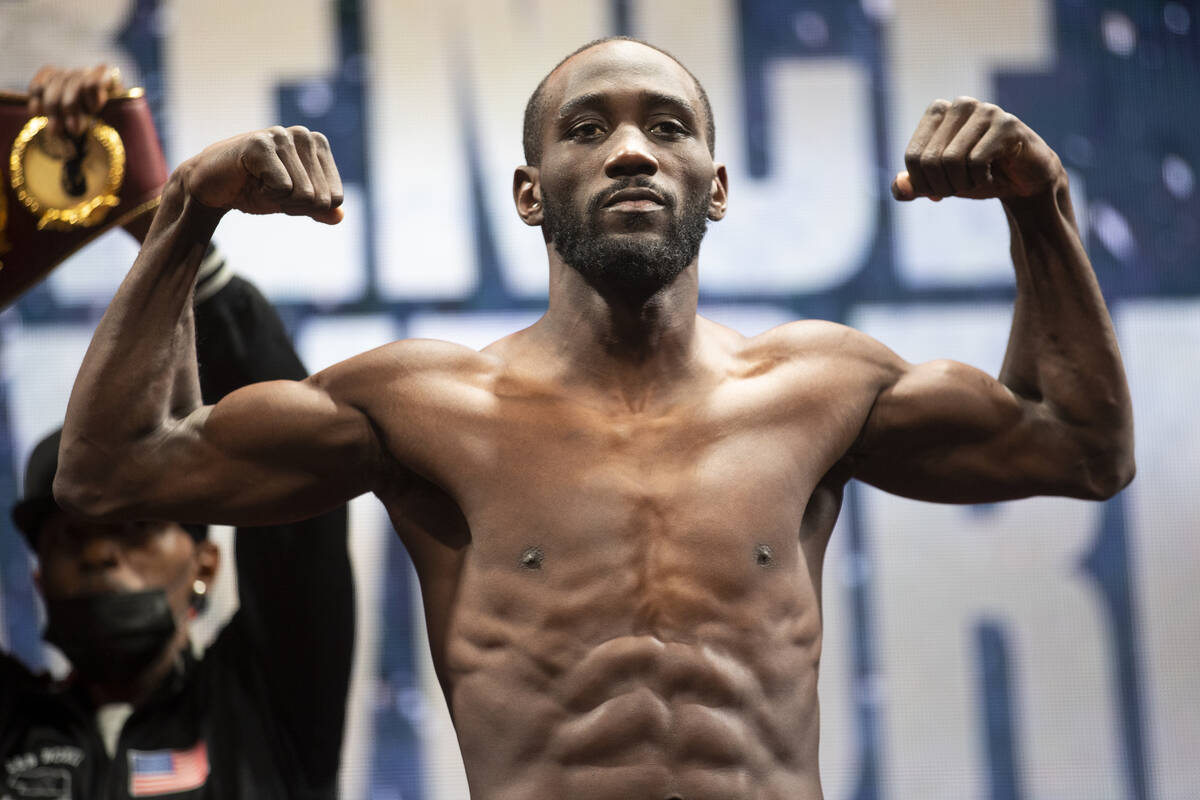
(571,680)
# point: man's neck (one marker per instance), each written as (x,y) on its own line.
(619,340)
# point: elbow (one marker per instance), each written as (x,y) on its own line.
(78,498)
(1103,485)
(1109,471)
(85,498)
(85,490)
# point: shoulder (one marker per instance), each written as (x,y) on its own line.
(13,670)
(821,344)
(18,682)
(407,361)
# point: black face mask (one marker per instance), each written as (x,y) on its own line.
(112,636)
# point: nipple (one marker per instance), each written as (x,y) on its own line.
(532,558)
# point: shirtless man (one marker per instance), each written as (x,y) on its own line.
(628,504)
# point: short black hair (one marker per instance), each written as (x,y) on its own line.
(535,109)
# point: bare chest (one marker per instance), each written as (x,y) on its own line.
(705,493)
(657,521)
(581,472)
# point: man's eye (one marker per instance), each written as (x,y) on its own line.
(586,130)
(669,127)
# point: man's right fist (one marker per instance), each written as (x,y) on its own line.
(277,170)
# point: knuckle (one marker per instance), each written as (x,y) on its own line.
(931,159)
(260,144)
(278,133)
(964,103)
(938,106)
(262,139)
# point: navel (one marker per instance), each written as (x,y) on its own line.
(764,556)
(532,557)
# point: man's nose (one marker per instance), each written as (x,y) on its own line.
(631,154)
(98,553)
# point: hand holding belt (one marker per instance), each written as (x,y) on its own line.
(59,192)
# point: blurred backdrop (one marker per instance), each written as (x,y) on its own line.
(1037,649)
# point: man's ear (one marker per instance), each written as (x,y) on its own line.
(208,561)
(527,194)
(719,194)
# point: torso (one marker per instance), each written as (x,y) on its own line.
(626,602)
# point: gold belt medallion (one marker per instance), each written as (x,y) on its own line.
(67,182)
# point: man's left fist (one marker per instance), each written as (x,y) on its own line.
(977,150)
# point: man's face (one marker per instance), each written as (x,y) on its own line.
(627,180)
(80,558)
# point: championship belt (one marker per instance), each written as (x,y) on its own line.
(57,193)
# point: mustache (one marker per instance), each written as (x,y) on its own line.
(598,200)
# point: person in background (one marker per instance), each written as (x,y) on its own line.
(260,713)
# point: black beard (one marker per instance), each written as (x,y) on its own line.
(625,264)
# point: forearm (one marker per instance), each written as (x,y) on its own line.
(1063,351)
(139,373)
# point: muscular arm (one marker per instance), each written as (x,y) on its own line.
(1057,420)
(137,443)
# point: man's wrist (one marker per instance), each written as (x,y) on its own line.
(179,210)
(1052,202)
(178,189)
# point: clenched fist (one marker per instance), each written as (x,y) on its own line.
(272,171)
(972,149)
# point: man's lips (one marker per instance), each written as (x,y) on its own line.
(635,199)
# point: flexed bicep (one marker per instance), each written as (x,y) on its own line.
(269,452)
(947,432)
(1058,420)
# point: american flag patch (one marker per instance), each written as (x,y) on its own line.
(154,772)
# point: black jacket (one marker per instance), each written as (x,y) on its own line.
(261,714)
